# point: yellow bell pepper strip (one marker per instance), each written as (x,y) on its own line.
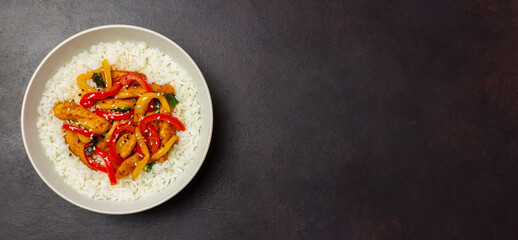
(84,139)
(81,82)
(115,124)
(107,73)
(142,163)
(87,99)
(143,102)
(163,150)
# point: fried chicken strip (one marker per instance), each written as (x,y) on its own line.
(90,121)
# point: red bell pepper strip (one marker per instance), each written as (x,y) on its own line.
(170,119)
(152,139)
(108,163)
(79,130)
(151,107)
(139,150)
(131,77)
(152,104)
(87,99)
(130,127)
(92,162)
(108,115)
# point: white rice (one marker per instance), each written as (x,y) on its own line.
(129,56)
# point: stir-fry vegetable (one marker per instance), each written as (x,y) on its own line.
(143,102)
(108,163)
(107,73)
(154,106)
(79,130)
(98,80)
(81,82)
(162,117)
(149,166)
(128,79)
(171,99)
(152,138)
(88,154)
(87,99)
(163,150)
(142,163)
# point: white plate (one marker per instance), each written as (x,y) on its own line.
(61,55)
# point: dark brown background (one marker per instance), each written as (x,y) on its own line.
(333,120)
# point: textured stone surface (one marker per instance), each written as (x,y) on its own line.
(333,120)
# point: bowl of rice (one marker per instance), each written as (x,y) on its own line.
(127,48)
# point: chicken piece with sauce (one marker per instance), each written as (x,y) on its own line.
(76,146)
(87,119)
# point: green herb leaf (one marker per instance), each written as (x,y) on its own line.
(98,80)
(149,166)
(95,140)
(156,106)
(122,110)
(90,149)
(171,99)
